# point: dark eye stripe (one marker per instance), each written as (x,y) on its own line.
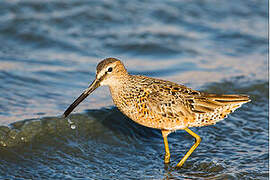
(110,69)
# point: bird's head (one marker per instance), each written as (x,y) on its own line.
(109,72)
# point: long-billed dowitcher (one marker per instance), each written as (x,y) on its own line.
(160,104)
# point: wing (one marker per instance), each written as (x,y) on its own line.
(170,100)
(175,100)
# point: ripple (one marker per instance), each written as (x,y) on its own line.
(48,56)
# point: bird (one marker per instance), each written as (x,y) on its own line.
(161,104)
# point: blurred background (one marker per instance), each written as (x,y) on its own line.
(48,55)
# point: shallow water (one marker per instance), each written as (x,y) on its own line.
(48,54)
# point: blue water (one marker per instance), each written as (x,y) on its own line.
(48,54)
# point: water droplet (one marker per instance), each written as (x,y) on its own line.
(69,121)
(72,125)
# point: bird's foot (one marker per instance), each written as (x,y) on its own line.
(167,158)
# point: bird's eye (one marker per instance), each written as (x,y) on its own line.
(110,69)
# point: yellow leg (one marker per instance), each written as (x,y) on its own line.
(198,140)
(167,155)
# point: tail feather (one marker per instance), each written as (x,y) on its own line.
(212,108)
(211,102)
(231,97)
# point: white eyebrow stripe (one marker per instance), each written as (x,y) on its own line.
(101,73)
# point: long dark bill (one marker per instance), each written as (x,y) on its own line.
(85,93)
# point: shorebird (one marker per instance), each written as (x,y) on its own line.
(160,104)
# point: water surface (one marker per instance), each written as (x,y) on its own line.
(48,54)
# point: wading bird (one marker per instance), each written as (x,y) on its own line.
(160,104)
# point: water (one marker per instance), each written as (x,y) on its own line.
(48,54)
(71,124)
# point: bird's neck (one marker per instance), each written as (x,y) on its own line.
(119,84)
